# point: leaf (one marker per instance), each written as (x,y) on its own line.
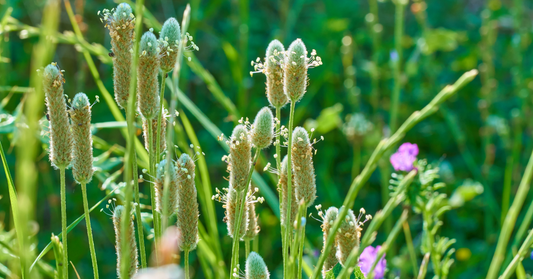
(328,119)
(439,39)
(14,204)
(70,227)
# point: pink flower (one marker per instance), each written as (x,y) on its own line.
(367,259)
(404,158)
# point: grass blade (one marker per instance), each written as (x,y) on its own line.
(13,201)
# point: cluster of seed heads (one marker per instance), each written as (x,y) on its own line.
(161,175)
(286,71)
(328,219)
(147,81)
(302,164)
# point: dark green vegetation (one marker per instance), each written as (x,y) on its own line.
(482,135)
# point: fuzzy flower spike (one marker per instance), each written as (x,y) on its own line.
(328,219)
(147,83)
(169,41)
(295,69)
(121,24)
(82,157)
(172,188)
(60,137)
(302,165)
(263,129)
(134,265)
(350,234)
(256,267)
(272,67)
(188,203)
(405,157)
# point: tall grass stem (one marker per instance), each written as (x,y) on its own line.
(288,230)
(89,230)
(64,221)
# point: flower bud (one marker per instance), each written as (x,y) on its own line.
(263,129)
(58,254)
(274,74)
(173,188)
(302,165)
(329,219)
(121,25)
(295,76)
(256,267)
(60,135)
(232,203)
(188,203)
(162,135)
(240,157)
(253,226)
(117,217)
(169,38)
(348,237)
(285,194)
(147,83)
(82,155)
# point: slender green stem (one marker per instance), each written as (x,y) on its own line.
(510,220)
(411,247)
(130,156)
(301,248)
(160,118)
(155,213)
(288,230)
(398,35)
(374,74)
(390,239)
(247,247)
(278,166)
(174,103)
(64,221)
(382,147)
(524,249)
(509,170)
(240,212)
(140,228)
(89,230)
(427,216)
(186,263)
(423,267)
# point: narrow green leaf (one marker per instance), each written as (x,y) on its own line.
(71,226)
(14,204)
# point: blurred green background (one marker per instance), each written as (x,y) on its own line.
(483,134)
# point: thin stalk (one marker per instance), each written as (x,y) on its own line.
(278,166)
(524,249)
(186,263)
(423,267)
(64,221)
(155,213)
(288,230)
(509,170)
(294,266)
(431,242)
(240,211)
(398,35)
(89,230)
(411,247)
(130,156)
(159,118)
(390,239)
(510,220)
(140,228)
(174,104)
(382,147)
(301,248)
(374,74)
(247,248)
